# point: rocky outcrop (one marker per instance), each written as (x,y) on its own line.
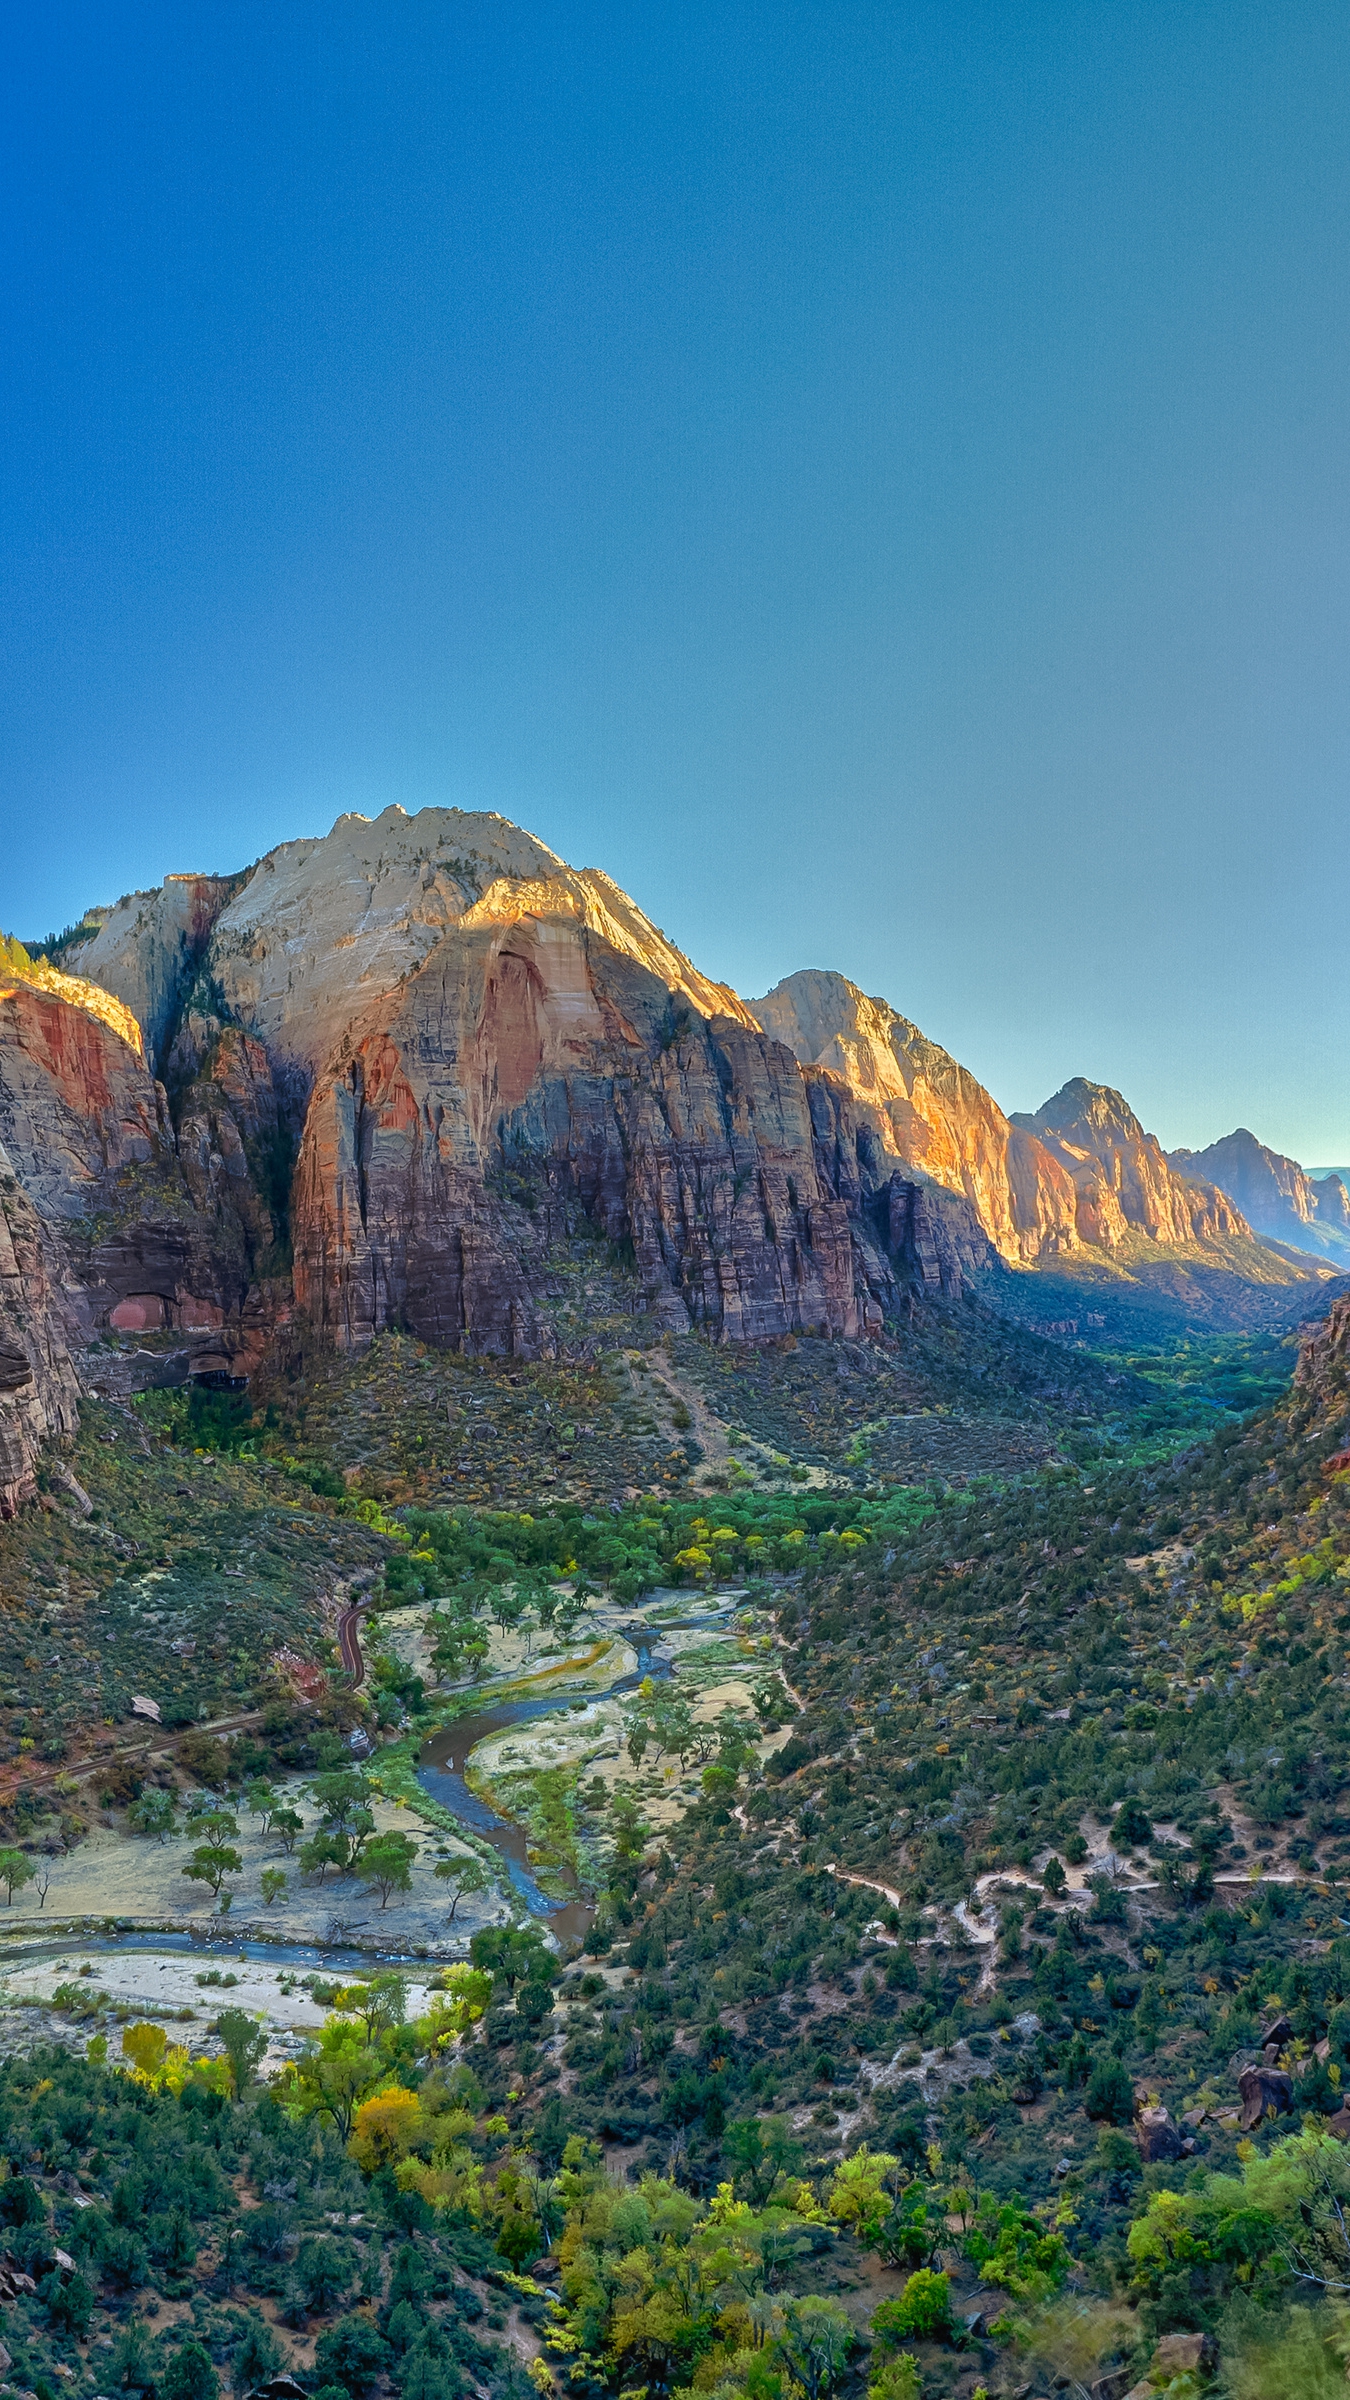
(1081,1174)
(148,1237)
(535,1067)
(931,1114)
(326,932)
(468,1048)
(40,1322)
(77,1105)
(1122,1176)
(1274,1193)
(148,949)
(1324,1358)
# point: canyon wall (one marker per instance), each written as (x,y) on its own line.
(1080,1175)
(1274,1194)
(387,1076)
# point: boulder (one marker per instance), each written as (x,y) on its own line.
(1265,2093)
(1184,2354)
(1157,2136)
(1277,2033)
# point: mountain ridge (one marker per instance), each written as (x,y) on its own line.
(375,1080)
(1278,1196)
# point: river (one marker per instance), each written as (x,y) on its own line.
(440,1769)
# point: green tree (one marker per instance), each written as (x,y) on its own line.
(1131,1826)
(762,2154)
(218,1824)
(380,2003)
(190,2375)
(210,1863)
(69,2302)
(133,2359)
(465,1875)
(1110,2094)
(343,1801)
(258,2355)
(922,2313)
(15,1872)
(288,1825)
(323,2273)
(273,1884)
(816,2338)
(511,1954)
(334,2073)
(322,1851)
(153,1814)
(387,1862)
(245,2042)
(351,2355)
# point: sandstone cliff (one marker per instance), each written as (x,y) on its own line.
(147,949)
(1122,1176)
(412,1056)
(153,1225)
(1080,1175)
(40,1324)
(326,931)
(465,1049)
(931,1113)
(1274,1194)
(535,1066)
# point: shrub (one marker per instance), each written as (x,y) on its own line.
(1131,1826)
(1110,2094)
(190,2375)
(351,2355)
(922,2313)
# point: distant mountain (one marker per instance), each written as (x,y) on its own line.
(391,1077)
(1124,1180)
(932,1112)
(1080,1179)
(1276,1195)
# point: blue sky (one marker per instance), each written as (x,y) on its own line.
(872,478)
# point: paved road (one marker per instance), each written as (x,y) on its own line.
(349,1642)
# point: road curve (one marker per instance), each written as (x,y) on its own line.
(349,1641)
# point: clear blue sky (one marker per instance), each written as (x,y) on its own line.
(872,478)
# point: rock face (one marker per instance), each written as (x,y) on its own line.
(76,1103)
(536,1064)
(1158,2138)
(1122,1176)
(152,1224)
(1324,1360)
(931,1114)
(381,1074)
(1080,1175)
(1265,2093)
(324,933)
(148,948)
(40,1323)
(1274,1194)
(411,1056)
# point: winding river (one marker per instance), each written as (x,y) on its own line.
(441,1768)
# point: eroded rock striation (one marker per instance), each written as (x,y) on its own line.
(411,1057)
(1122,1176)
(1274,1193)
(1080,1175)
(382,1076)
(535,1066)
(41,1324)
